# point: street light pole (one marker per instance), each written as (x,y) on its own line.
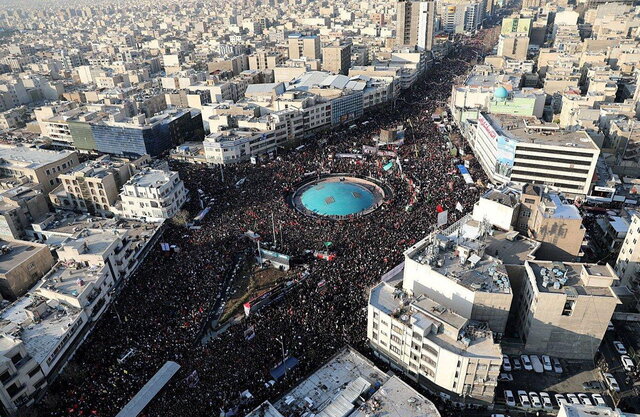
(284,365)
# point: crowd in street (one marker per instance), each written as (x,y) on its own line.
(166,304)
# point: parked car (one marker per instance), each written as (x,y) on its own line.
(503,377)
(573,399)
(516,364)
(627,363)
(536,364)
(546,400)
(506,364)
(610,326)
(592,385)
(535,400)
(557,368)
(620,347)
(560,400)
(584,399)
(509,398)
(526,362)
(546,363)
(611,382)
(598,400)
(524,399)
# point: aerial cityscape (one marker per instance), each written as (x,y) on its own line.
(299,208)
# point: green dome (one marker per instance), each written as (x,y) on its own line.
(501,93)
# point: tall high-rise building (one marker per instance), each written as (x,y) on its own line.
(415,23)
(304,46)
(337,58)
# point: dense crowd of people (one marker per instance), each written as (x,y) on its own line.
(162,310)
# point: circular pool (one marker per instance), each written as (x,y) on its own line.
(338,196)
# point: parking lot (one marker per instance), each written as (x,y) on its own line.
(574,375)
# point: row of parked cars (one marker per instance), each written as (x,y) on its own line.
(531,363)
(543,399)
(625,359)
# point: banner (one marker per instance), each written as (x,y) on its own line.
(165,247)
(459,207)
(247,309)
(443,218)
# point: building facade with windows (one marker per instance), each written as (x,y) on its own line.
(153,195)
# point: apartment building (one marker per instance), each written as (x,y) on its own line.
(513,45)
(337,58)
(37,165)
(628,262)
(152,195)
(304,46)
(262,60)
(525,150)
(22,264)
(21,203)
(565,308)
(415,23)
(93,186)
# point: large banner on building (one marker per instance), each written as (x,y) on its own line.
(505,154)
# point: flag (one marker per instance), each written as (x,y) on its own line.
(443,218)
(327,244)
(459,207)
(439,208)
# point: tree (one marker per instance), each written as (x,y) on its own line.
(181,218)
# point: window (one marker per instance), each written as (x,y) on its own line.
(16,358)
(34,372)
(5,377)
(569,306)
(394,349)
(13,389)
(396,339)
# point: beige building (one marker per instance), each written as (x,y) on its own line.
(94,186)
(22,264)
(565,308)
(38,165)
(262,60)
(514,46)
(545,217)
(628,262)
(337,58)
(415,23)
(304,46)
(20,205)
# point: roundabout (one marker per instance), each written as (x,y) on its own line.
(339,196)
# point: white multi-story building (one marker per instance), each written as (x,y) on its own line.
(628,262)
(153,195)
(525,150)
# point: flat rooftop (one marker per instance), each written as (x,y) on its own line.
(41,337)
(569,276)
(15,253)
(70,278)
(26,157)
(511,248)
(530,130)
(396,399)
(150,178)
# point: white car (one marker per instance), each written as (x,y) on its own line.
(504,377)
(526,362)
(535,400)
(627,363)
(560,400)
(546,363)
(524,399)
(557,368)
(620,347)
(611,382)
(509,398)
(573,399)
(598,400)
(546,400)
(506,363)
(584,399)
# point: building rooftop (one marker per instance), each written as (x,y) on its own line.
(15,252)
(70,279)
(572,410)
(531,130)
(38,323)
(573,279)
(150,178)
(26,157)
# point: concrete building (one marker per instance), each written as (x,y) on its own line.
(337,58)
(93,186)
(628,262)
(22,264)
(415,23)
(304,46)
(37,165)
(350,384)
(525,150)
(461,16)
(574,410)
(152,195)
(514,46)
(262,60)
(21,203)
(565,308)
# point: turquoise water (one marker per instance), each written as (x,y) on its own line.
(337,198)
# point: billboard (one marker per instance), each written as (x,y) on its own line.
(505,154)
